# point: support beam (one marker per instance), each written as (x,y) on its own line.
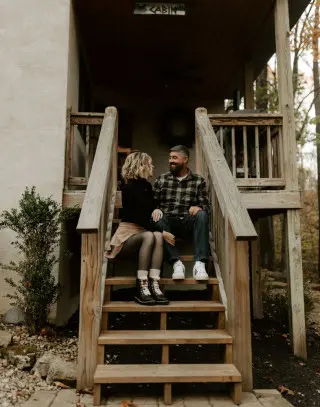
(286,103)
(295,283)
(292,218)
(257,305)
(248,86)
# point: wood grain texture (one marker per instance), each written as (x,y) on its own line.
(272,200)
(223,182)
(254,119)
(92,207)
(163,281)
(167,373)
(174,306)
(296,292)
(286,102)
(165,337)
(90,310)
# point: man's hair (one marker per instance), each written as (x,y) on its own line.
(181,149)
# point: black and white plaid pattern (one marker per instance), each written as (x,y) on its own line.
(175,197)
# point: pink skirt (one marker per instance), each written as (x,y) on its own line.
(124,231)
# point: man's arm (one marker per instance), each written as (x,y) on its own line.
(203,199)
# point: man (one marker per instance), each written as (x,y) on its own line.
(183,208)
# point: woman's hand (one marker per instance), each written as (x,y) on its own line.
(169,237)
(157,214)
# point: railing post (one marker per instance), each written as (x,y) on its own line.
(90,309)
(292,218)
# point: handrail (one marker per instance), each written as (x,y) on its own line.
(224,184)
(95,224)
(93,202)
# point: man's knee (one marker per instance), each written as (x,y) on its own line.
(202,216)
(162,224)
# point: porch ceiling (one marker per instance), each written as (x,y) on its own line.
(199,55)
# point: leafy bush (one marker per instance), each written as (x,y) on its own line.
(37,225)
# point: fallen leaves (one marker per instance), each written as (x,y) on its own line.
(286,390)
(127,403)
(61,385)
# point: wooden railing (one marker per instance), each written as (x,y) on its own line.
(253,147)
(231,230)
(95,225)
(88,126)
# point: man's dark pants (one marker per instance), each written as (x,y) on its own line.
(181,226)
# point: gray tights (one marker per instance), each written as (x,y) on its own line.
(150,248)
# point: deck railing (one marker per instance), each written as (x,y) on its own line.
(95,225)
(253,147)
(86,126)
(231,230)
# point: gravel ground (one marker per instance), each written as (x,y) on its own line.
(16,386)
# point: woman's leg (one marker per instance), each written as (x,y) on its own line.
(155,269)
(143,243)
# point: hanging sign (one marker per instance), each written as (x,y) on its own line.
(164,9)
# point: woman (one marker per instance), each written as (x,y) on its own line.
(135,232)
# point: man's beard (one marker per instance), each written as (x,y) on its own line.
(176,169)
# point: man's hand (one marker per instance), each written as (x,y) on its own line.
(169,237)
(157,215)
(194,210)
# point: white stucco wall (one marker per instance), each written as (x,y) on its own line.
(34,51)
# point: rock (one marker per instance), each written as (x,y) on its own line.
(54,369)
(41,368)
(22,362)
(13,316)
(5,339)
(23,357)
(62,371)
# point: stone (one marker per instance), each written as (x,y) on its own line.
(42,398)
(61,370)
(247,398)
(5,339)
(42,366)
(274,402)
(267,393)
(66,396)
(13,316)
(23,357)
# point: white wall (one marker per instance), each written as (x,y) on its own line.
(34,51)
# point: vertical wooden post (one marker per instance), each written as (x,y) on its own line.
(90,297)
(248,86)
(239,321)
(256,276)
(292,218)
(67,168)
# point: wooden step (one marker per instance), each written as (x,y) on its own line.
(174,306)
(167,373)
(164,281)
(168,337)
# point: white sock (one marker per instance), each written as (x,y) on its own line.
(142,274)
(154,273)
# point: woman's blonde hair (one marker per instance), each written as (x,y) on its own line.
(137,165)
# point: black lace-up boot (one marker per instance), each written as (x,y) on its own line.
(156,292)
(144,296)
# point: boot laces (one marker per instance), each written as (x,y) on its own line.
(156,287)
(144,287)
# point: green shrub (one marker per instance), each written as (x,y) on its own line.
(37,225)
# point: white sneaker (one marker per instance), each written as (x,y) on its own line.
(178,270)
(199,271)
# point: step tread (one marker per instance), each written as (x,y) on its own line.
(167,373)
(166,281)
(148,337)
(174,306)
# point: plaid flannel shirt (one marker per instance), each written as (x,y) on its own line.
(175,197)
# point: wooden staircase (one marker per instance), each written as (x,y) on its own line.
(166,373)
(231,231)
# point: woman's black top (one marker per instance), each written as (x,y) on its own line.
(137,202)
